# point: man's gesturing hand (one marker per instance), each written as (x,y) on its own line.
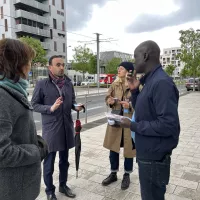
(57,104)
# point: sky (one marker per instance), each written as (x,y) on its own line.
(124,24)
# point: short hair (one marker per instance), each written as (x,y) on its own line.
(55,56)
(14,55)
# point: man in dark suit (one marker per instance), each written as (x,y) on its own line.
(54,98)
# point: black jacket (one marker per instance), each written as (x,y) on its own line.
(157,124)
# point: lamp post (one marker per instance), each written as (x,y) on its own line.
(67,55)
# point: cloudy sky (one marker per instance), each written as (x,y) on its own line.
(129,22)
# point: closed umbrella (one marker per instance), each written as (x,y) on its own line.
(78,128)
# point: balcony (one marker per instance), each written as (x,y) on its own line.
(31,16)
(34,4)
(45,45)
(32,30)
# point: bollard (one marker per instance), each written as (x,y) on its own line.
(88,88)
(86,109)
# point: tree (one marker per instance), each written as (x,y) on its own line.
(170,69)
(132,60)
(190,51)
(37,46)
(111,66)
(93,65)
(40,59)
(82,59)
(184,72)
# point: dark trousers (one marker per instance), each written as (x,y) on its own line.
(114,162)
(154,177)
(49,169)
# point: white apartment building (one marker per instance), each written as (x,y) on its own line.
(170,57)
(44,20)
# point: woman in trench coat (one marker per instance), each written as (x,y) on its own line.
(118,97)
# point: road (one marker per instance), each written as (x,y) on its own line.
(96,105)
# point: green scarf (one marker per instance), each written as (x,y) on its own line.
(21,86)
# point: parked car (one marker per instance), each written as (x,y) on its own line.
(88,82)
(190,82)
(77,83)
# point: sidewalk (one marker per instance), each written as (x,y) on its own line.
(94,166)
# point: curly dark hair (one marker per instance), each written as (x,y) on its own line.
(14,55)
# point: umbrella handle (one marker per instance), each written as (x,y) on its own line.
(77,114)
(83,108)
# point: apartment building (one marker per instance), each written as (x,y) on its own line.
(109,55)
(44,20)
(170,57)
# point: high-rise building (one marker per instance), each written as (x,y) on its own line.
(44,20)
(169,57)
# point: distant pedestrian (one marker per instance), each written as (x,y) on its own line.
(156,125)
(54,98)
(119,100)
(21,151)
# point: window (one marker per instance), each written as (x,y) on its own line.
(54,24)
(6,25)
(62,4)
(49,10)
(4,1)
(29,22)
(51,33)
(62,13)
(3,36)
(63,26)
(34,24)
(1,12)
(53,2)
(18,21)
(64,47)
(55,46)
(58,12)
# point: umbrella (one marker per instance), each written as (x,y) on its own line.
(78,128)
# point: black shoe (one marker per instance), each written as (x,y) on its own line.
(125,182)
(110,179)
(51,197)
(67,191)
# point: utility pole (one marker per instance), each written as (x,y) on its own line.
(98,64)
(98,53)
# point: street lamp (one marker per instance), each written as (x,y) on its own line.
(66,55)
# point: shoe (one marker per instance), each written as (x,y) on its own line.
(51,197)
(67,191)
(125,182)
(110,179)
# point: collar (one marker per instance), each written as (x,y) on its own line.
(147,76)
(65,76)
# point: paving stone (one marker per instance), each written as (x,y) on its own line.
(183,183)
(94,164)
(132,196)
(175,197)
(188,193)
(83,184)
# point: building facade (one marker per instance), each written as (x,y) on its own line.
(169,57)
(44,20)
(106,56)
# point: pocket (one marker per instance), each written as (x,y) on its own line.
(163,171)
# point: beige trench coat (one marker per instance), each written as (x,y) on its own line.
(114,135)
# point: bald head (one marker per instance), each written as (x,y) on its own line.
(147,56)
